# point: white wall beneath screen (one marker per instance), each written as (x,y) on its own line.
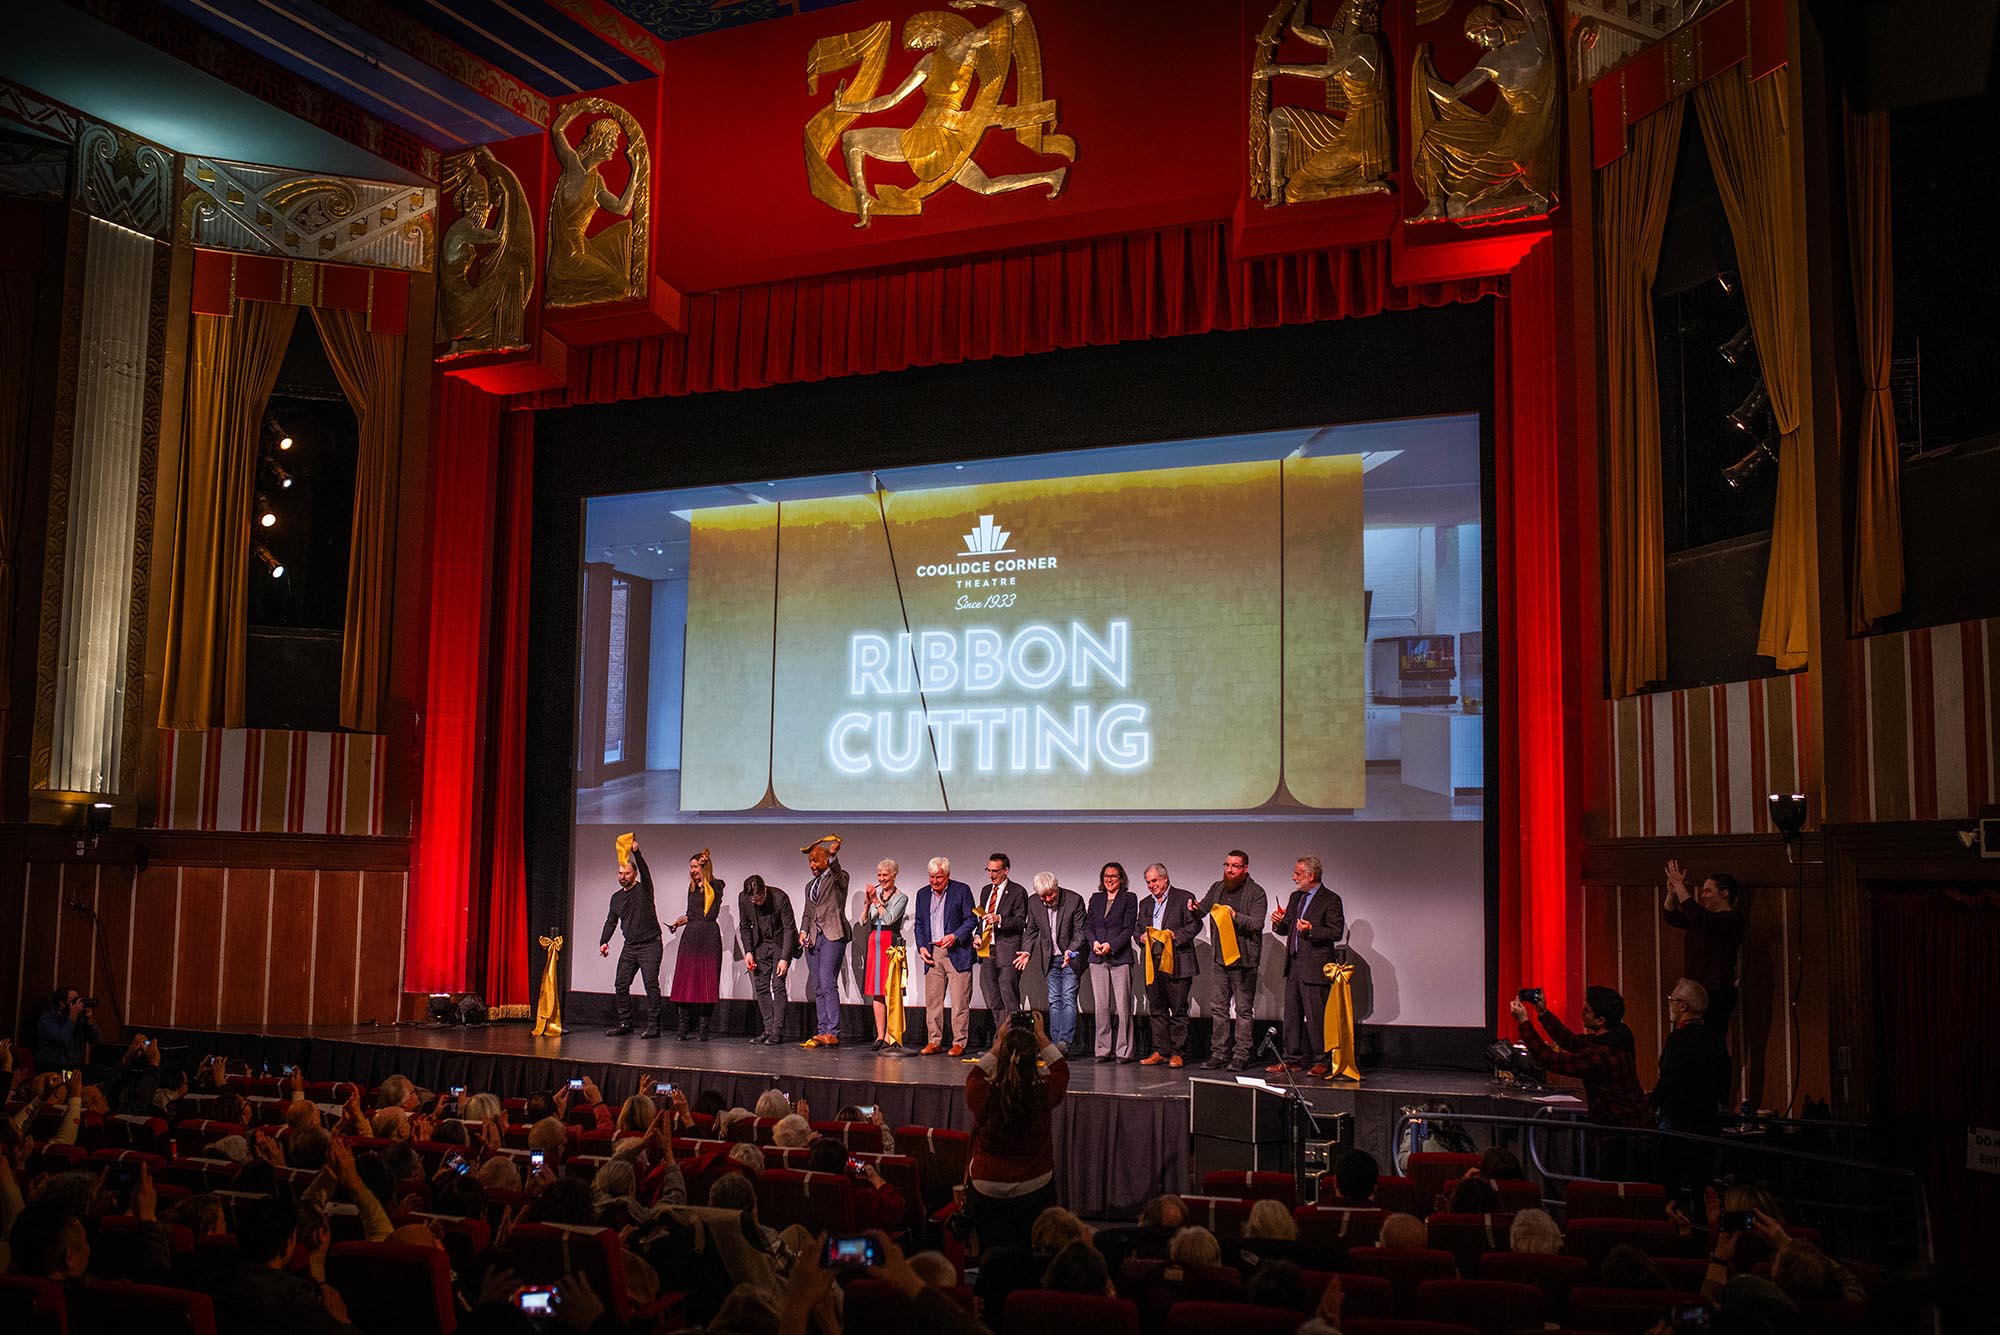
(1413,891)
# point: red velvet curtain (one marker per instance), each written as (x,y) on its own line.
(465,431)
(506,908)
(1108,290)
(1541,650)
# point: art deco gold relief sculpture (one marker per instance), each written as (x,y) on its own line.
(963,76)
(1299,154)
(1484,167)
(587,267)
(486,267)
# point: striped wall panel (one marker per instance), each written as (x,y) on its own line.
(1930,699)
(1702,761)
(203,946)
(271,782)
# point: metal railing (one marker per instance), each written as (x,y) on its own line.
(1863,1210)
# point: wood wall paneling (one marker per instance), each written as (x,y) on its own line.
(246,954)
(379,980)
(339,937)
(39,921)
(156,938)
(295,897)
(201,940)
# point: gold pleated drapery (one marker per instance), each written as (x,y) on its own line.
(370,370)
(1878,479)
(1746,125)
(1632,195)
(233,364)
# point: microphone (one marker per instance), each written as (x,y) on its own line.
(1270,1043)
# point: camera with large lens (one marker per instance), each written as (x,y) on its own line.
(90,1003)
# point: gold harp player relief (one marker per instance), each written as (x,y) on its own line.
(588,267)
(1492,166)
(963,75)
(486,267)
(1298,153)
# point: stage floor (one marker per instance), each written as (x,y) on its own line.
(1122,1133)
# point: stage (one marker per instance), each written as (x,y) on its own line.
(1121,1135)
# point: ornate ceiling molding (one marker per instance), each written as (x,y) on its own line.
(125,180)
(308,216)
(31,109)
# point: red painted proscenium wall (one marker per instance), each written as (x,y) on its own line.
(825,301)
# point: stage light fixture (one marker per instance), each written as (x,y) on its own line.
(1742,344)
(1749,465)
(1788,814)
(439,1007)
(277,432)
(266,516)
(271,563)
(285,479)
(1727,281)
(1744,416)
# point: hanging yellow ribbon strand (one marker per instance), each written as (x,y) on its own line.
(548,1007)
(707,887)
(892,993)
(1165,939)
(1225,933)
(1338,1023)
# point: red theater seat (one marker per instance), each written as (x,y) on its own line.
(1337,1227)
(1399,1195)
(1492,1307)
(1360,1295)
(1206,1318)
(1429,1170)
(544,1253)
(1042,1312)
(1404,1269)
(192,1135)
(1392,1326)
(1614,1200)
(1223,1216)
(1515,1193)
(1253,1186)
(1555,1276)
(859,1137)
(111,1306)
(131,1132)
(393,1288)
(1592,1238)
(30,1306)
(816,1201)
(1469,1236)
(1633,1311)
(941,1157)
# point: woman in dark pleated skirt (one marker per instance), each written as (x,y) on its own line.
(698,966)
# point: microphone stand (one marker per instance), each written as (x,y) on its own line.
(1302,1116)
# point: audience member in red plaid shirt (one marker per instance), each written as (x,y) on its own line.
(1602,1056)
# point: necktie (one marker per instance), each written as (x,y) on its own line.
(1304,905)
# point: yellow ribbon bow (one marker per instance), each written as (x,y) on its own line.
(707,886)
(832,840)
(1338,1023)
(983,939)
(548,1007)
(892,993)
(1225,933)
(1165,939)
(623,844)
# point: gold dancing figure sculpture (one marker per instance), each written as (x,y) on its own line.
(963,75)
(1493,166)
(484,311)
(610,265)
(1297,154)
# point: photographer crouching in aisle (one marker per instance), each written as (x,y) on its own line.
(1602,1056)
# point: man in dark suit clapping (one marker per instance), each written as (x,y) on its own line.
(1311,925)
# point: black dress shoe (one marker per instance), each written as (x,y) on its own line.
(1127,1061)
(618,1031)
(1106,1060)
(1239,1066)
(1214,1064)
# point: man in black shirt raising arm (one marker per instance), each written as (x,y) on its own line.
(632,910)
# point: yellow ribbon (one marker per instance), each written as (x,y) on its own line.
(1166,940)
(707,888)
(983,940)
(548,1007)
(623,844)
(832,840)
(892,993)
(1338,1023)
(1225,933)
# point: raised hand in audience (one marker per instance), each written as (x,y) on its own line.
(895,1268)
(808,1289)
(1329,1303)
(295,1083)
(683,1115)
(592,1096)
(580,1306)
(145,1199)
(802,1108)
(267,1147)
(1770,1230)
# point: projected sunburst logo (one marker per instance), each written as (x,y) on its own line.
(989,539)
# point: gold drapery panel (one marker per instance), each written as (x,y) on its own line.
(1878,479)
(233,363)
(1632,195)
(17,336)
(370,370)
(1747,129)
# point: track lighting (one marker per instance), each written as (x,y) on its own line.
(271,563)
(1726,280)
(1744,416)
(266,516)
(1749,465)
(277,432)
(1741,345)
(285,479)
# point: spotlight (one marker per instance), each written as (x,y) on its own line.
(1749,465)
(1744,416)
(266,516)
(439,1008)
(277,432)
(1788,813)
(1726,280)
(285,479)
(271,563)
(1742,344)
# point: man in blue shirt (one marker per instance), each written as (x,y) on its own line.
(65,1031)
(945,926)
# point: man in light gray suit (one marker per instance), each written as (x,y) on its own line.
(1054,950)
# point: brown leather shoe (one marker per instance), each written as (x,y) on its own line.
(1175,1062)
(929,1050)
(1280,1068)
(957,1050)
(1153,1060)
(1317,1071)
(829,1040)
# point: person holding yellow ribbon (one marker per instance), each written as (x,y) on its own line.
(1312,926)
(770,939)
(1165,936)
(1235,908)
(633,912)
(698,966)
(1003,917)
(882,980)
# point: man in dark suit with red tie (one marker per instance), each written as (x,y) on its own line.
(1311,926)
